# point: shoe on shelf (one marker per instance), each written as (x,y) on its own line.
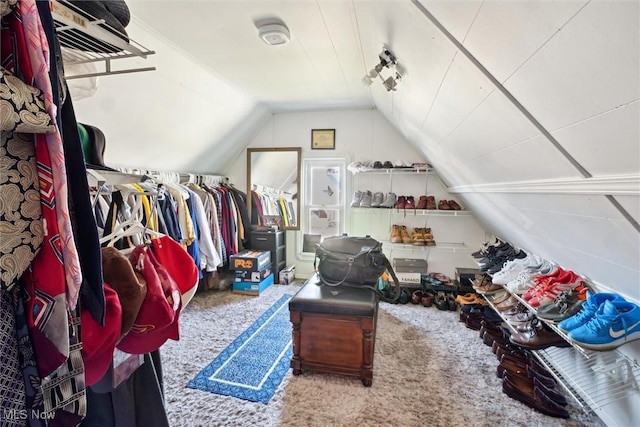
(431,203)
(538,337)
(549,295)
(365,201)
(404,234)
(422,203)
(565,305)
(377,164)
(417,238)
(389,200)
(486,247)
(396,235)
(378,198)
(357,198)
(588,310)
(615,323)
(401,203)
(387,165)
(453,205)
(443,205)
(410,203)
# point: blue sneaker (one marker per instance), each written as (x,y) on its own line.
(587,311)
(615,323)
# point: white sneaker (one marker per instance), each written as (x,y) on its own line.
(511,269)
(521,283)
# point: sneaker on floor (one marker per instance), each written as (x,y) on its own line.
(357,198)
(588,310)
(615,323)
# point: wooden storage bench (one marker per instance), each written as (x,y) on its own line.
(334,330)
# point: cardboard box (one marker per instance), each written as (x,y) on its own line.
(410,265)
(410,270)
(250,260)
(252,288)
(288,275)
(252,276)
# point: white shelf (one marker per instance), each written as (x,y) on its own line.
(454,247)
(412,212)
(396,171)
(89,40)
(595,379)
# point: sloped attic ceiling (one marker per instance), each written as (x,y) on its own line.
(573,66)
(535,92)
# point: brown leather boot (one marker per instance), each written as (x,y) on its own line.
(404,234)
(444,205)
(417,237)
(422,203)
(395,236)
(431,202)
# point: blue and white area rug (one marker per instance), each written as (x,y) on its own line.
(253,366)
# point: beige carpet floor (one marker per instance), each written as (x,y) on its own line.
(429,370)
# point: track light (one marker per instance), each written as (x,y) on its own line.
(387,60)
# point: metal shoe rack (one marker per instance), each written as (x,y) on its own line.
(453,247)
(605,383)
(90,40)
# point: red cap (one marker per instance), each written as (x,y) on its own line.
(99,343)
(157,320)
(179,264)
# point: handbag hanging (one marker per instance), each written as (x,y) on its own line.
(354,261)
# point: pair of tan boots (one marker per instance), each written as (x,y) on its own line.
(419,236)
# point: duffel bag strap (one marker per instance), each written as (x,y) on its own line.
(392,273)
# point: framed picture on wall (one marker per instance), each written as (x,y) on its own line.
(323,139)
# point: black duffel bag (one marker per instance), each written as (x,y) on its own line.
(353,261)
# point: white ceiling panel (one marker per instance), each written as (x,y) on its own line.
(463,89)
(493,126)
(607,144)
(590,67)
(455,16)
(532,159)
(506,33)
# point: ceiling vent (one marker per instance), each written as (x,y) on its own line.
(274,34)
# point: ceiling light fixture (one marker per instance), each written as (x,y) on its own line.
(274,34)
(388,61)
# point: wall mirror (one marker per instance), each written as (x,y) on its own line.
(273,178)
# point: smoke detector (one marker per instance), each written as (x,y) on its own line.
(274,34)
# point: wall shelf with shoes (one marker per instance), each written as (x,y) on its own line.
(439,246)
(602,382)
(412,212)
(376,210)
(93,33)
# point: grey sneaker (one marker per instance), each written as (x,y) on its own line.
(357,197)
(378,198)
(366,199)
(389,201)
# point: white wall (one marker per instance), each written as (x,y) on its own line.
(179,117)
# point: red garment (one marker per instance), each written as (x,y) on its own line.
(46,307)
